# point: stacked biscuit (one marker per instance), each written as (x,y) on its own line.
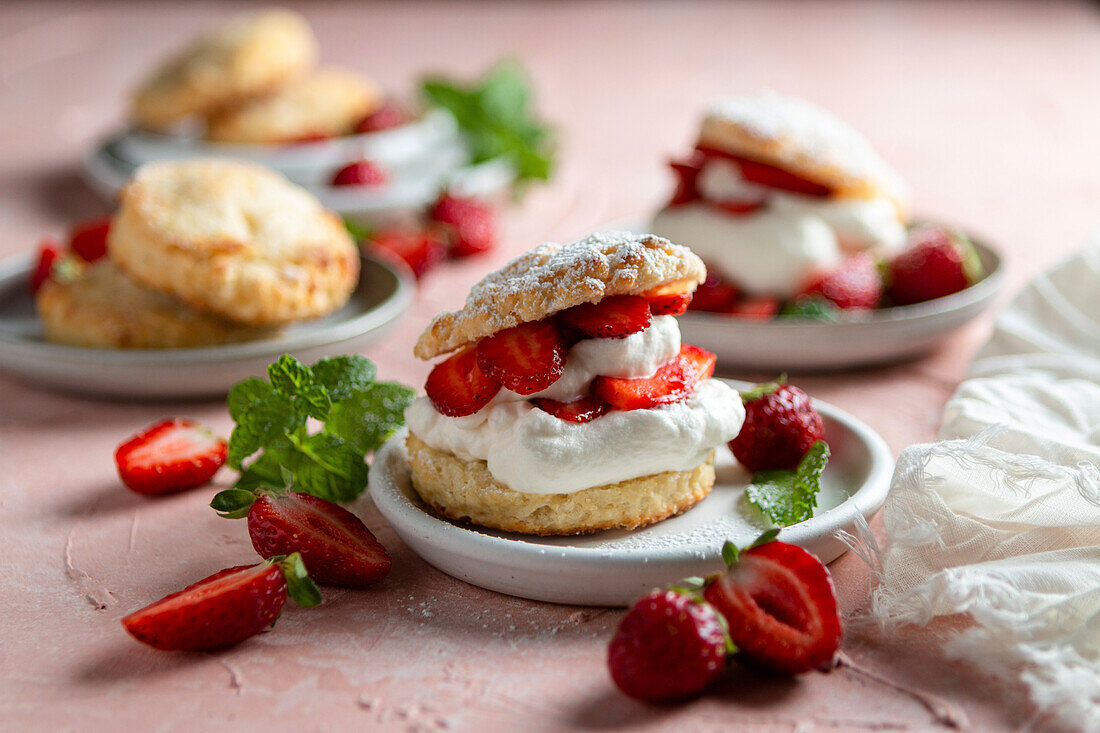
(253,79)
(203,253)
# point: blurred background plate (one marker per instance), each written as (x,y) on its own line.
(384,292)
(614,567)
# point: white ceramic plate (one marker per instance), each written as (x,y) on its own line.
(421,158)
(613,568)
(382,296)
(879,337)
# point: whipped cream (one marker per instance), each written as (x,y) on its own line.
(534,452)
(720,180)
(768,252)
(638,355)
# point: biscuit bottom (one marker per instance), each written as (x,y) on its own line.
(466,491)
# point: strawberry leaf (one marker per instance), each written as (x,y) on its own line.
(763,390)
(731,553)
(788,497)
(299,586)
(233,503)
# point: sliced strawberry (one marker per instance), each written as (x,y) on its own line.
(583,410)
(781,608)
(616,317)
(687,179)
(672,304)
(170,456)
(224,608)
(360,173)
(420,250)
(386,117)
(471,223)
(336,546)
(49,252)
(671,383)
(89,239)
(854,284)
(525,359)
(458,387)
(764,174)
(714,295)
(742,207)
(761,308)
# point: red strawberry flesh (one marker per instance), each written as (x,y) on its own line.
(781,608)
(854,284)
(360,173)
(583,410)
(220,610)
(714,294)
(672,382)
(386,117)
(934,265)
(335,545)
(667,647)
(89,239)
(616,316)
(472,223)
(526,359)
(457,386)
(764,174)
(760,308)
(672,304)
(49,252)
(420,250)
(170,456)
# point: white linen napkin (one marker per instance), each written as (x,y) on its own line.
(1000,519)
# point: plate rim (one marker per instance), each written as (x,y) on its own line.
(369,320)
(866,500)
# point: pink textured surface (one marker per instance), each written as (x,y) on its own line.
(988,110)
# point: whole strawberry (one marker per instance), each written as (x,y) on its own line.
(224,608)
(936,263)
(334,543)
(854,284)
(780,426)
(779,604)
(669,645)
(471,223)
(360,173)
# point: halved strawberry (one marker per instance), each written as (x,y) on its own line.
(760,308)
(583,410)
(49,252)
(671,383)
(360,173)
(672,304)
(388,116)
(616,317)
(471,223)
(714,294)
(526,359)
(170,456)
(765,174)
(687,179)
(781,608)
(224,608)
(458,387)
(89,238)
(336,546)
(420,249)
(854,284)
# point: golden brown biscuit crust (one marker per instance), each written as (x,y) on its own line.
(553,277)
(250,54)
(233,239)
(102,308)
(805,140)
(466,491)
(328,103)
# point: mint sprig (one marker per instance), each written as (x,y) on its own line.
(788,497)
(495,113)
(810,307)
(272,445)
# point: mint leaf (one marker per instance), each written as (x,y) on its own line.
(367,418)
(496,116)
(788,497)
(810,307)
(295,381)
(266,471)
(326,466)
(260,422)
(343,375)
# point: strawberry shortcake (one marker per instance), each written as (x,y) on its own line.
(778,191)
(566,402)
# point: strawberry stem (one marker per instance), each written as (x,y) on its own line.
(299,586)
(764,389)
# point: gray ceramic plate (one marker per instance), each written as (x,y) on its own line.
(382,296)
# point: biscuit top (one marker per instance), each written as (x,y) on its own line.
(553,277)
(215,207)
(804,139)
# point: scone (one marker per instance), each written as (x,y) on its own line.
(567,403)
(233,239)
(102,308)
(249,55)
(328,103)
(777,190)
